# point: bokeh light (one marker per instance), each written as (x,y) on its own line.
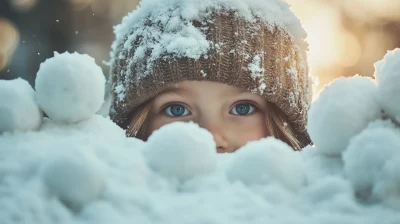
(23,5)
(115,10)
(339,47)
(79,4)
(9,38)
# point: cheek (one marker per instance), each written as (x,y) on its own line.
(248,129)
(154,124)
(157,122)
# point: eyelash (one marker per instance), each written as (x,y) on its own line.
(170,104)
(253,104)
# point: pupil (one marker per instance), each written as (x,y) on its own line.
(177,110)
(242,109)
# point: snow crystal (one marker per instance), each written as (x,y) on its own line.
(388,79)
(120,90)
(70,87)
(344,108)
(257,73)
(255,68)
(18,108)
(181,150)
(203,73)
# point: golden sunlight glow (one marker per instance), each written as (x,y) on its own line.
(24,5)
(9,38)
(329,42)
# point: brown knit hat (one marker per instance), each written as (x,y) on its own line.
(261,57)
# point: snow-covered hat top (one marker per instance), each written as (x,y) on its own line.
(257,45)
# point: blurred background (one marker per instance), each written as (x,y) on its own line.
(346,37)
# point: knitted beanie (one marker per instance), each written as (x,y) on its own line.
(169,41)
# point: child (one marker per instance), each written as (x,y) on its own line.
(237,68)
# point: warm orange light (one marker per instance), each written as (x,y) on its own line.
(23,5)
(9,38)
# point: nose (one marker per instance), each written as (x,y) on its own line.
(220,141)
(217,130)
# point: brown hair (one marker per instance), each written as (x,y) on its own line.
(275,119)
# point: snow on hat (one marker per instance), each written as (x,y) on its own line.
(256,45)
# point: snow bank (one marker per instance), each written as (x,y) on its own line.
(89,172)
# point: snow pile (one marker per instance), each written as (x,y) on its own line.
(355,122)
(388,79)
(338,106)
(89,172)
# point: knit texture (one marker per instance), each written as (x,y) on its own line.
(245,54)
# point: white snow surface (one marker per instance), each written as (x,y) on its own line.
(388,77)
(89,172)
(70,87)
(338,106)
(180,159)
(18,108)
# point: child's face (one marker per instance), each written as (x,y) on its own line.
(233,116)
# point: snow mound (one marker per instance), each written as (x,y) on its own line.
(372,163)
(74,178)
(268,161)
(388,77)
(354,122)
(70,87)
(90,172)
(347,102)
(181,150)
(18,108)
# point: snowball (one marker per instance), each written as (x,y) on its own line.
(327,188)
(371,163)
(70,87)
(74,178)
(388,78)
(267,161)
(319,165)
(18,108)
(181,150)
(343,109)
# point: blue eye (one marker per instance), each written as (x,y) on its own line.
(176,110)
(242,109)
